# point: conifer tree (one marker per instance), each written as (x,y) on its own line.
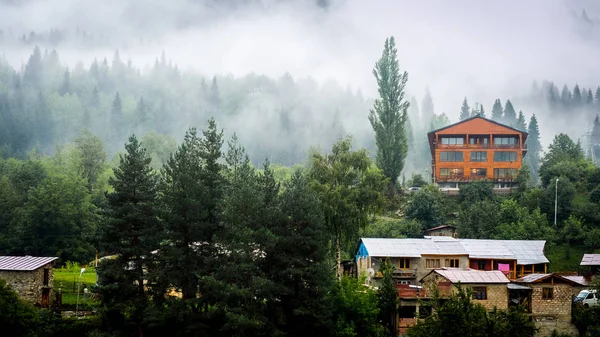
(427,108)
(130,233)
(465,110)
(510,116)
(534,146)
(32,76)
(65,87)
(116,118)
(597,100)
(497,111)
(565,97)
(595,137)
(577,99)
(481,111)
(141,115)
(389,114)
(589,100)
(521,123)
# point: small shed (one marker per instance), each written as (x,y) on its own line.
(31,277)
(489,287)
(444,230)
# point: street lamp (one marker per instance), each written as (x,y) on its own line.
(555,201)
(78,284)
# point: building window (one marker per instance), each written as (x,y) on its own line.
(46,276)
(480,293)
(452,263)
(403,263)
(547,293)
(505,173)
(432,263)
(481,265)
(505,140)
(451,156)
(479,156)
(505,156)
(448,172)
(453,141)
(479,172)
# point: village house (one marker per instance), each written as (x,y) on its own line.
(415,258)
(444,230)
(30,277)
(590,264)
(474,149)
(488,287)
(548,298)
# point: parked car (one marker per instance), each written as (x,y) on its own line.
(413,189)
(588,298)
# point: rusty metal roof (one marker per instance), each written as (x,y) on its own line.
(532,278)
(581,280)
(590,260)
(24,263)
(471,276)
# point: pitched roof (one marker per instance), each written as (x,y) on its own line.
(533,278)
(524,251)
(439,227)
(590,260)
(471,276)
(472,118)
(24,263)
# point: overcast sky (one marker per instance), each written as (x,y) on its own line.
(479,49)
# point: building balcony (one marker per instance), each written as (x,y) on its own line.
(480,146)
(404,273)
(505,178)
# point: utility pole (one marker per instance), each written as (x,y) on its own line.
(555,201)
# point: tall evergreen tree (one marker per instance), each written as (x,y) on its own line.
(589,99)
(497,111)
(388,298)
(481,111)
(577,99)
(534,146)
(141,115)
(465,110)
(510,116)
(116,118)
(389,114)
(42,124)
(34,70)
(597,99)
(65,87)
(130,232)
(521,122)
(595,137)
(427,108)
(565,97)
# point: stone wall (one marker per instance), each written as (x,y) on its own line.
(497,296)
(29,284)
(553,314)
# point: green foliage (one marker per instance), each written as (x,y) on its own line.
(460,316)
(92,157)
(388,298)
(342,179)
(476,191)
(17,317)
(497,111)
(416,180)
(561,149)
(355,309)
(382,227)
(479,220)
(517,223)
(389,114)
(428,206)
(534,147)
(465,110)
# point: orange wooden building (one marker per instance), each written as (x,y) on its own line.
(474,149)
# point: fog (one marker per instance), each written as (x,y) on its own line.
(479,49)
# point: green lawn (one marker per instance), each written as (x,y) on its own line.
(67,280)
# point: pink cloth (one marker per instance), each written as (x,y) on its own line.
(504,266)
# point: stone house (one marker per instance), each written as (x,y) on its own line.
(549,299)
(489,287)
(30,277)
(590,264)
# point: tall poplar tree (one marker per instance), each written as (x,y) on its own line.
(389,114)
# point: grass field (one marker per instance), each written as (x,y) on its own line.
(67,278)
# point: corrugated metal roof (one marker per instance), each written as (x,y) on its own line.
(24,263)
(514,286)
(524,251)
(590,260)
(577,279)
(470,276)
(532,278)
